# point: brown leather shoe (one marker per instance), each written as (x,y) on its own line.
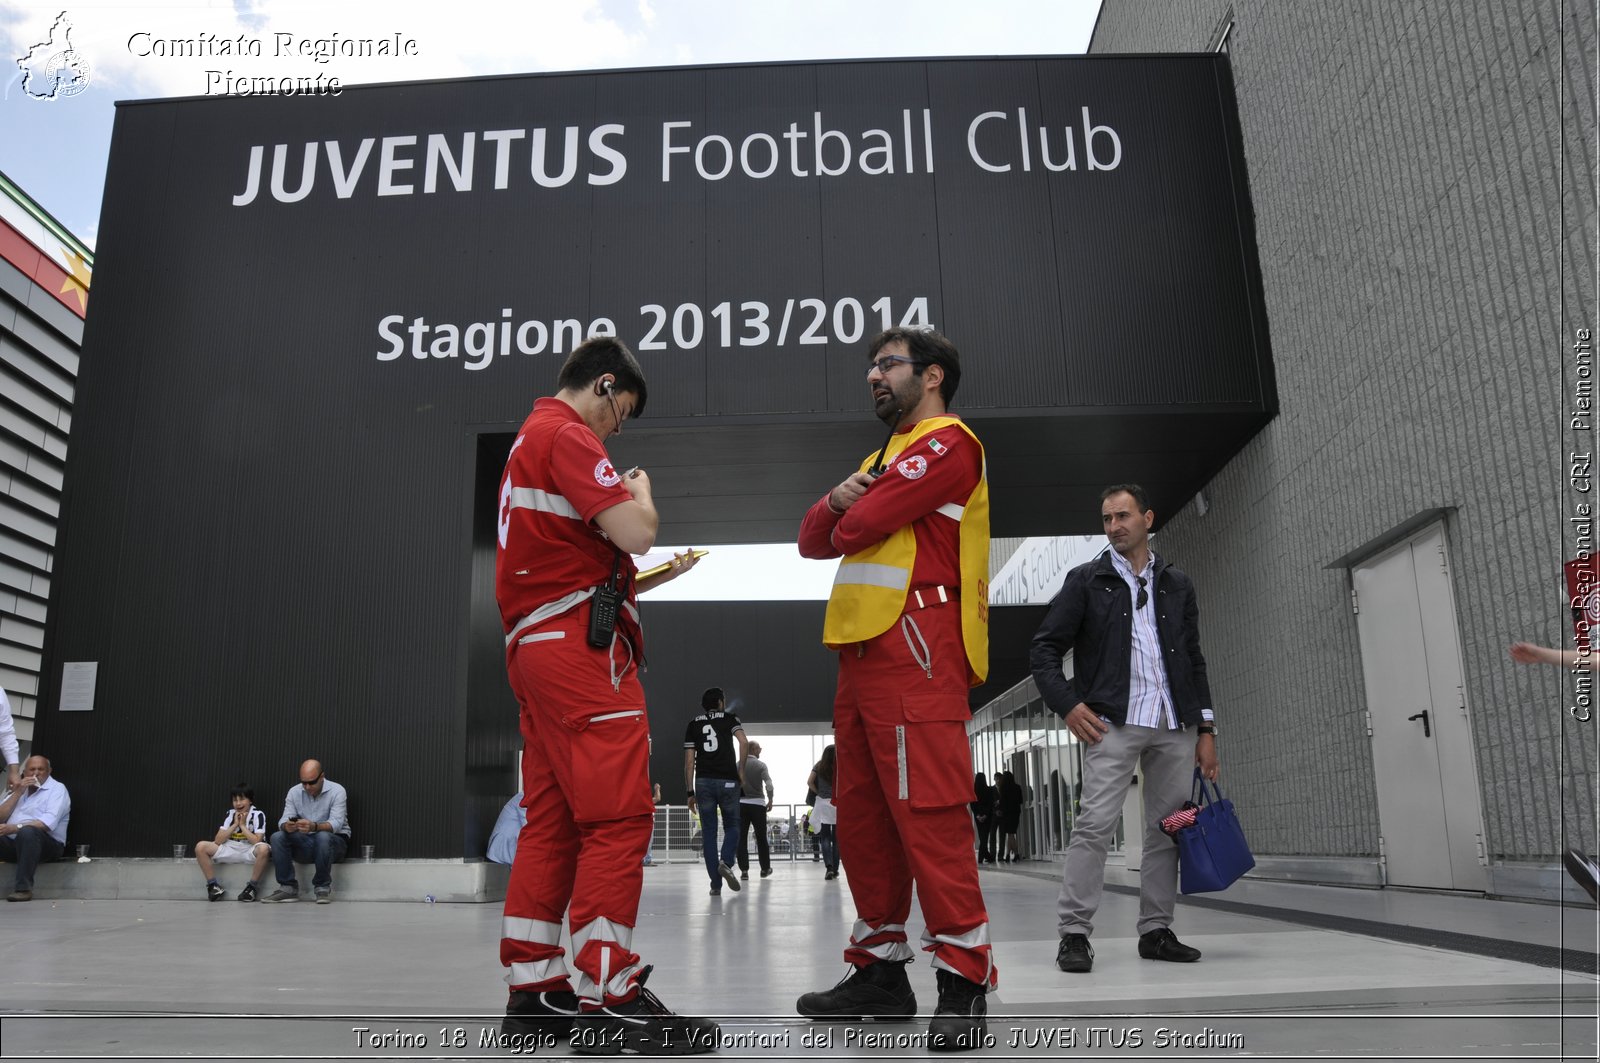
(20,895)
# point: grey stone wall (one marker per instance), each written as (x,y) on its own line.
(1423,178)
(39,340)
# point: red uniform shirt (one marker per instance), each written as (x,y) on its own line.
(940,468)
(557,479)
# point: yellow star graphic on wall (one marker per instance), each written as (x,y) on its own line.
(78,281)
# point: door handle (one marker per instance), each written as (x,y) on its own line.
(1427,732)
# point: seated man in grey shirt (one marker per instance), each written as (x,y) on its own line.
(314,829)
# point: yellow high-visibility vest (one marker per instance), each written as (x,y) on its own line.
(870,588)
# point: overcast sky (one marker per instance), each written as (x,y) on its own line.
(56,150)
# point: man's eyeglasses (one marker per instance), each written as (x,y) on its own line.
(889,361)
(1143,596)
(309,783)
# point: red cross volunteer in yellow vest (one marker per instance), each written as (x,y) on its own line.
(909,617)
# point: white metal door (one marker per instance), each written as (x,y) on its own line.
(1427,780)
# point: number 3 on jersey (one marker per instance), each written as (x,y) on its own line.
(709,745)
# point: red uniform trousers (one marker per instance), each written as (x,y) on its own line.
(902,786)
(585,783)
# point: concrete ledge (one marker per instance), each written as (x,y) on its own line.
(1543,882)
(1321,870)
(1531,882)
(447,881)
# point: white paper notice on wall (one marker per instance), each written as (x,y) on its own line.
(77,685)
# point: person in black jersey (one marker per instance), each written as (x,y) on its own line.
(713,775)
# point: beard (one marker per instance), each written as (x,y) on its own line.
(890,402)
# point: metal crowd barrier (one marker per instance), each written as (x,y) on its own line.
(677,838)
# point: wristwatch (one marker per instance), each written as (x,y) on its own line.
(1207,728)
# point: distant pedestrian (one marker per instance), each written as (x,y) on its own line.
(1008,801)
(823,815)
(985,814)
(714,751)
(753,808)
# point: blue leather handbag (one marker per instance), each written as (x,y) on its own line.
(1212,854)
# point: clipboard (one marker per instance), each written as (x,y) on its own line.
(665,565)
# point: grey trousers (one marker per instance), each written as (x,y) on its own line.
(1164,760)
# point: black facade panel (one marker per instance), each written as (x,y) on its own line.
(760,234)
(999,263)
(880,239)
(1187,266)
(304,363)
(650,239)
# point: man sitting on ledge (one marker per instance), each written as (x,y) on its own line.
(35,828)
(314,829)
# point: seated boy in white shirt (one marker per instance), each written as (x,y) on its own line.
(242,839)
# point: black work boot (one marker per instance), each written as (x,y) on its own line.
(545,1014)
(643,1026)
(960,1020)
(877,991)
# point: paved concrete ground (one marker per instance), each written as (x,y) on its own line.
(1372,975)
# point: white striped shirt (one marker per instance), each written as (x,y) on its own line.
(255,823)
(1149,693)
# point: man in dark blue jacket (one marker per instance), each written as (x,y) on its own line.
(1139,702)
